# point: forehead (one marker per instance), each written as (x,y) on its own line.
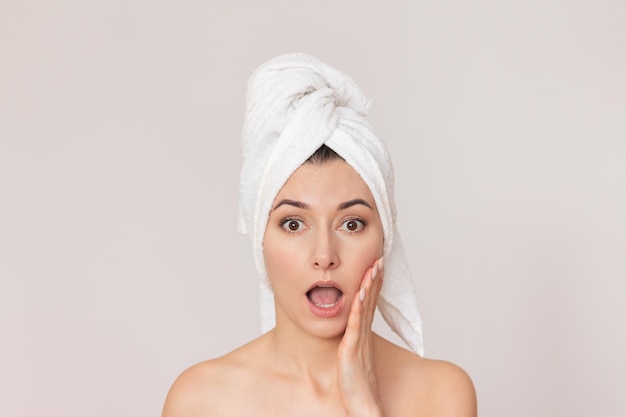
(333,181)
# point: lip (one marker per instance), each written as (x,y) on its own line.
(325,284)
(326,312)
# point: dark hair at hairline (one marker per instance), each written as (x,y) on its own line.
(322,155)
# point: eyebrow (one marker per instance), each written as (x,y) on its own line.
(294,203)
(354,202)
(341,206)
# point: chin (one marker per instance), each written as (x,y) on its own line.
(328,328)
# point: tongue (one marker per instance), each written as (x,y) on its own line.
(324,295)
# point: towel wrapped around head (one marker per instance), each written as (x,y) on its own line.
(295,104)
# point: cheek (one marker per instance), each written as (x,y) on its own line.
(281,260)
(361,255)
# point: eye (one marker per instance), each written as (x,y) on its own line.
(352,225)
(292,225)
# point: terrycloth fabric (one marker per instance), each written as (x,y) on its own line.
(295,104)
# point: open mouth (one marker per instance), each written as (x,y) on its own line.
(324,296)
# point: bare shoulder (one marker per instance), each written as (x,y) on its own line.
(452,388)
(208,388)
(427,386)
(193,392)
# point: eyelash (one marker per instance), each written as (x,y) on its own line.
(286,220)
(362,222)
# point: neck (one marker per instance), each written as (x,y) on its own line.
(305,357)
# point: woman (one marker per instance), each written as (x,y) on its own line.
(317,201)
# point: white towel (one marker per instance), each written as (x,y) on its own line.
(295,104)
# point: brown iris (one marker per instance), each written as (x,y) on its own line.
(352,225)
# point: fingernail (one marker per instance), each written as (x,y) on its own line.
(374,272)
(362,294)
(380,262)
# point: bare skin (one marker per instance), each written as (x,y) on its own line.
(323,366)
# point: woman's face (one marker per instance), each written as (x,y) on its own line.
(323,233)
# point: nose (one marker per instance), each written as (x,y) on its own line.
(325,250)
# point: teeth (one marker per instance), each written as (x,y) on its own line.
(329,305)
(326,305)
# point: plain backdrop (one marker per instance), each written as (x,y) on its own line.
(120,121)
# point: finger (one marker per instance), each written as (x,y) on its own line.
(353,327)
(358,326)
(377,274)
(378,280)
(374,287)
(371,285)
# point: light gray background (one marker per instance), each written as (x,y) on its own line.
(119,157)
